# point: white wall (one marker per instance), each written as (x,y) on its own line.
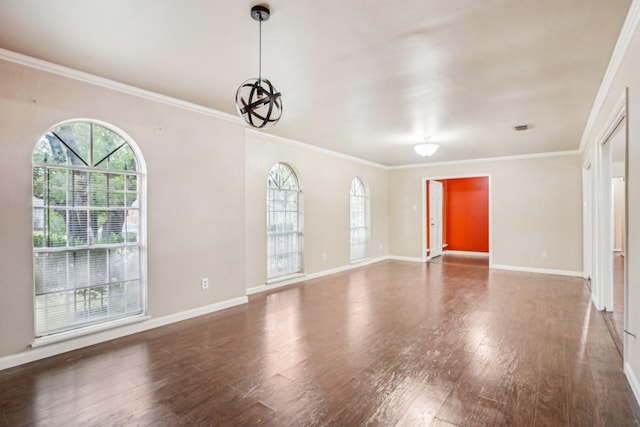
(195,193)
(627,76)
(535,208)
(206,194)
(326,181)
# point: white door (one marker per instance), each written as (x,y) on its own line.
(435,218)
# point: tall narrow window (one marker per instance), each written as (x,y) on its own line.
(284,230)
(358,220)
(87,186)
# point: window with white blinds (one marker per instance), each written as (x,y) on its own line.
(86,228)
(284,229)
(358,208)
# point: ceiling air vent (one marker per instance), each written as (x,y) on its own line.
(520,128)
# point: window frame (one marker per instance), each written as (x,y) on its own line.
(358,193)
(71,329)
(273,274)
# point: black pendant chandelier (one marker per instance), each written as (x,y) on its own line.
(257,100)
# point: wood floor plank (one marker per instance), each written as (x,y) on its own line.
(450,343)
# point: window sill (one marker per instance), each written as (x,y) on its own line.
(359,260)
(284,278)
(64,336)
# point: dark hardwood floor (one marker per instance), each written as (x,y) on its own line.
(393,343)
(618,293)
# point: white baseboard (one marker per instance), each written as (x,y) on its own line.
(407,258)
(304,277)
(538,270)
(633,381)
(53,349)
(467,253)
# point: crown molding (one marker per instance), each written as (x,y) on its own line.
(314,148)
(489,159)
(624,39)
(49,67)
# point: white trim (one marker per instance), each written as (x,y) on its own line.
(618,114)
(489,159)
(269,287)
(286,278)
(620,50)
(54,349)
(633,381)
(467,253)
(305,146)
(360,261)
(52,68)
(407,258)
(537,270)
(88,330)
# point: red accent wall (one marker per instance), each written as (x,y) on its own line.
(467,214)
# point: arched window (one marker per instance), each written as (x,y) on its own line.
(284,228)
(358,208)
(87,212)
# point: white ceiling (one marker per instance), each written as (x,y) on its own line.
(367,78)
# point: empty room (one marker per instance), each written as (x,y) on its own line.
(415,213)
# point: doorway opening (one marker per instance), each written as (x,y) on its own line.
(610,284)
(456,220)
(615,308)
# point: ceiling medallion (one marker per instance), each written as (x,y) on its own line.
(258,102)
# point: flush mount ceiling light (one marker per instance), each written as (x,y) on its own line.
(427,149)
(258,102)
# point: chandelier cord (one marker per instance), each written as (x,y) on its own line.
(260,52)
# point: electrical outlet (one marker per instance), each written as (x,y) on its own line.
(543,254)
(380,246)
(324,256)
(205,283)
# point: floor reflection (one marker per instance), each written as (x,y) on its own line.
(393,343)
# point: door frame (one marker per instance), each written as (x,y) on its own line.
(433,253)
(587,221)
(602,263)
(425,214)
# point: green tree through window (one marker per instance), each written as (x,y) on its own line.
(86,236)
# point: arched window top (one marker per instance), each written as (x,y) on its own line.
(282,177)
(85,144)
(357,187)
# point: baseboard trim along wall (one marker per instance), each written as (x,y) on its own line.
(406,258)
(467,253)
(302,278)
(60,347)
(633,381)
(538,270)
